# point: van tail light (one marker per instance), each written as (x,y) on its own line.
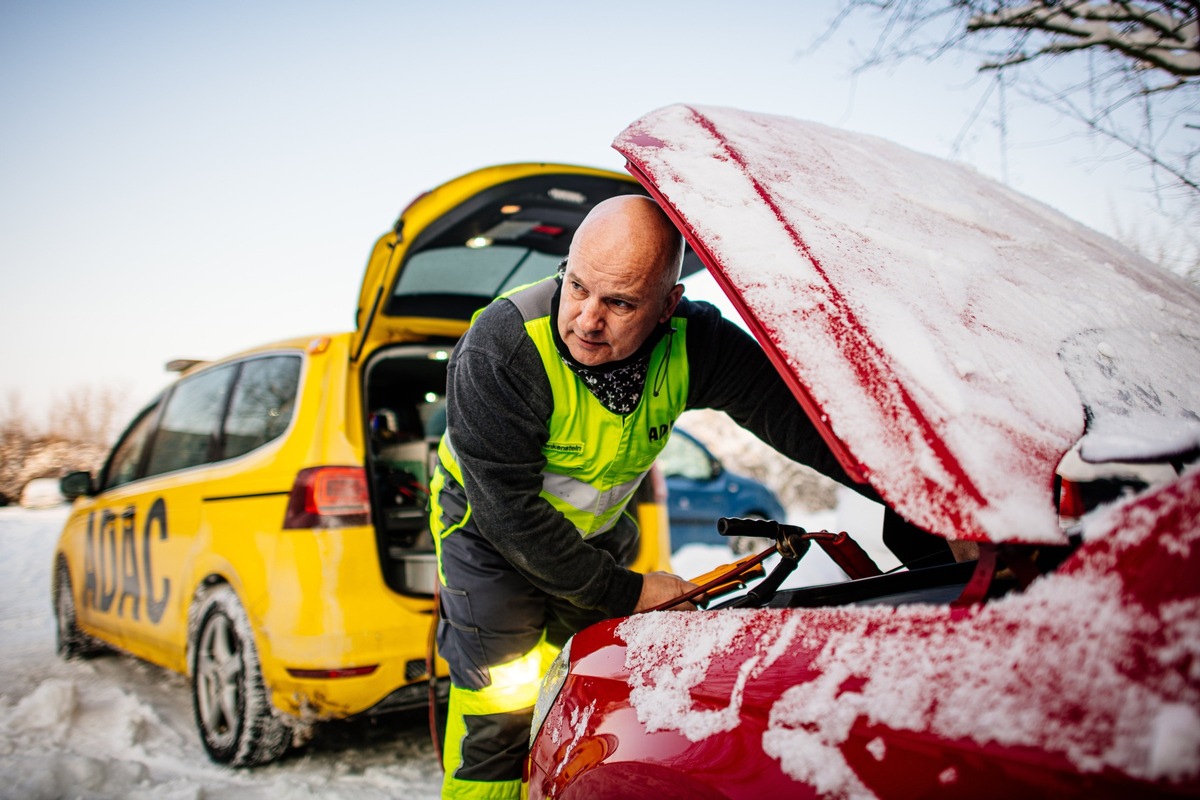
(328,497)
(333,672)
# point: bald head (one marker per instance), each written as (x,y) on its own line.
(622,279)
(633,229)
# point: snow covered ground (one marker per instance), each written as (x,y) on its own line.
(114,726)
(117,727)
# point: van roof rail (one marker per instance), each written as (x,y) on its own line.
(183,364)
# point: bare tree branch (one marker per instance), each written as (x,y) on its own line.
(1140,84)
(81,425)
(1153,37)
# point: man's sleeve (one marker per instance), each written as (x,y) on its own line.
(730,372)
(498,400)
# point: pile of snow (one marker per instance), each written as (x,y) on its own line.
(117,727)
(42,493)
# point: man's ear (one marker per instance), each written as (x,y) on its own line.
(673,298)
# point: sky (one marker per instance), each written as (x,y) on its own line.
(188,180)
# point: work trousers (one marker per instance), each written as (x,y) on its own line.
(499,634)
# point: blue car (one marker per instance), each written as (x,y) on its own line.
(700,490)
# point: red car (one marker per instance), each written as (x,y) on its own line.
(953,341)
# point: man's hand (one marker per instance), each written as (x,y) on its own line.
(659,587)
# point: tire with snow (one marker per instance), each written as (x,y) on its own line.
(237,723)
(70,642)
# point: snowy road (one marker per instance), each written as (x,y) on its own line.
(117,727)
(114,726)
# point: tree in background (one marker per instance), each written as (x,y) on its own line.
(80,427)
(15,436)
(89,415)
(1126,72)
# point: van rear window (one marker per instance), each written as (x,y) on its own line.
(454,282)
(509,234)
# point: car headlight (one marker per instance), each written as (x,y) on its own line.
(552,684)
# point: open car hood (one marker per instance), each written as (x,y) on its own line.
(952,339)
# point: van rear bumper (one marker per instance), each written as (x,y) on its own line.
(414,695)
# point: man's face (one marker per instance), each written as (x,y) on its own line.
(608,309)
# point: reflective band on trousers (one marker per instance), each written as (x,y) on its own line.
(514,688)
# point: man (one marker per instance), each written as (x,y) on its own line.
(557,397)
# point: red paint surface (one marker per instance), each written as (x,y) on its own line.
(957,502)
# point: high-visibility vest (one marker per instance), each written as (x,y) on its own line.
(595,458)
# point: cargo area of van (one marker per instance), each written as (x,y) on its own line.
(406,416)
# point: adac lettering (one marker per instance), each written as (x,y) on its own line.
(659,433)
(118,570)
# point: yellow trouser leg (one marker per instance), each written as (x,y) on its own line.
(487,730)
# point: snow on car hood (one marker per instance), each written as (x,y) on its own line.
(950,336)
(1094,663)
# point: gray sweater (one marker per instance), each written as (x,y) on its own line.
(498,403)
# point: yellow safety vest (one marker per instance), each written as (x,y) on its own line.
(595,458)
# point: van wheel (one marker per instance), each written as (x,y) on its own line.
(70,642)
(237,723)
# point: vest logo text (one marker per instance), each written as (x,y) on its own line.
(659,433)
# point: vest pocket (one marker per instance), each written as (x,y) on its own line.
(565,456)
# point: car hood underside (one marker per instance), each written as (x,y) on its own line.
(951,338)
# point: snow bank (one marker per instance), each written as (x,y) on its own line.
(117,727)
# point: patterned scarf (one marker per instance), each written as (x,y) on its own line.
(618,385)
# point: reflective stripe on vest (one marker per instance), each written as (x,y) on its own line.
(595,458)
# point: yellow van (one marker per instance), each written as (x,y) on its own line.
(262,526)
